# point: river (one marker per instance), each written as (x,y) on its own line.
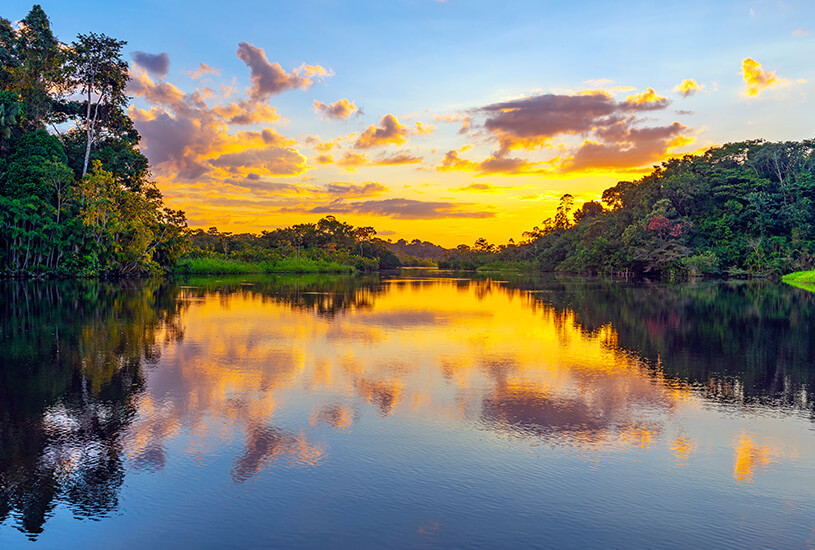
(418,409)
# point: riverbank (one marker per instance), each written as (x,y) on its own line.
(223,266)
(801,279)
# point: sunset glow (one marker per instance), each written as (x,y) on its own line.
(444,121)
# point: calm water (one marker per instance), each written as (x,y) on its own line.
(414,411)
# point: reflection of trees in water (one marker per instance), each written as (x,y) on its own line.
(71,356)
(735,341)
(325,295)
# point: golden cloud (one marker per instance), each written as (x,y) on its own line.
(648,99)
(688,87)
(389,132)
(756,79)
(340,109)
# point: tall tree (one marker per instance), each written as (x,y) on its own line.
(35,62)
(101,75)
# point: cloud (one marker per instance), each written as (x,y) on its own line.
(531,121)
(404,209)
(464,119)
(422,130)
(163,93)
(756,79)
(688,87)
(800,32)
(389,132)
(366,189)
(246,112)
(647,100)
(484,188)
(187,140)
(613,132)
(398,158)
(352,160)
(497,163)
(270,78)
(157,64)
(340,109)
(202,70)
(635,147)
(275,161)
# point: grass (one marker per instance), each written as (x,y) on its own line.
(221,266)
(801,279)
(505,265)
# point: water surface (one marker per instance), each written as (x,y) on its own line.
(418,410)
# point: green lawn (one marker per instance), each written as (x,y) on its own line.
(221,266)
(801,279)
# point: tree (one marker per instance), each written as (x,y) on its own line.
(590,209)
(563,210)
(101,75)
(35,65)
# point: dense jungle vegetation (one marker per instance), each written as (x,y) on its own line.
(76,197)
(743,209)
(328,245)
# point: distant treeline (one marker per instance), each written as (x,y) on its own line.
(76,201)
(743,209)
(327,240)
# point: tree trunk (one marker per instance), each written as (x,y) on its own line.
(88,133)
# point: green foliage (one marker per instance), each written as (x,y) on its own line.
(57,219)
(328,240)
(231,266)
(27,168)
(743,209)
(801,279)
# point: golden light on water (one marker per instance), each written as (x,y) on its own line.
(452,350)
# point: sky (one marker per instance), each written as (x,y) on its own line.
(440,120)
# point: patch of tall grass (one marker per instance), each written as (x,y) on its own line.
(223,266)
(801,279)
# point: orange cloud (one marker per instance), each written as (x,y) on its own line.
(340,109)
(203,69)
(422,130)
(756,79)
(398,158)
(389,132)
(628,148)
(484,188)
(246,112)
(464,119)
(404,209)
(365,189)
(648,99)
(352,160)
(688,87)
(187,140)
(497,163)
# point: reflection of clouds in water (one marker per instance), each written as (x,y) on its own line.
(682,447)
(410,318)
(455,350)
(750,456)
(266,445)
(339,417)
(384,395)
